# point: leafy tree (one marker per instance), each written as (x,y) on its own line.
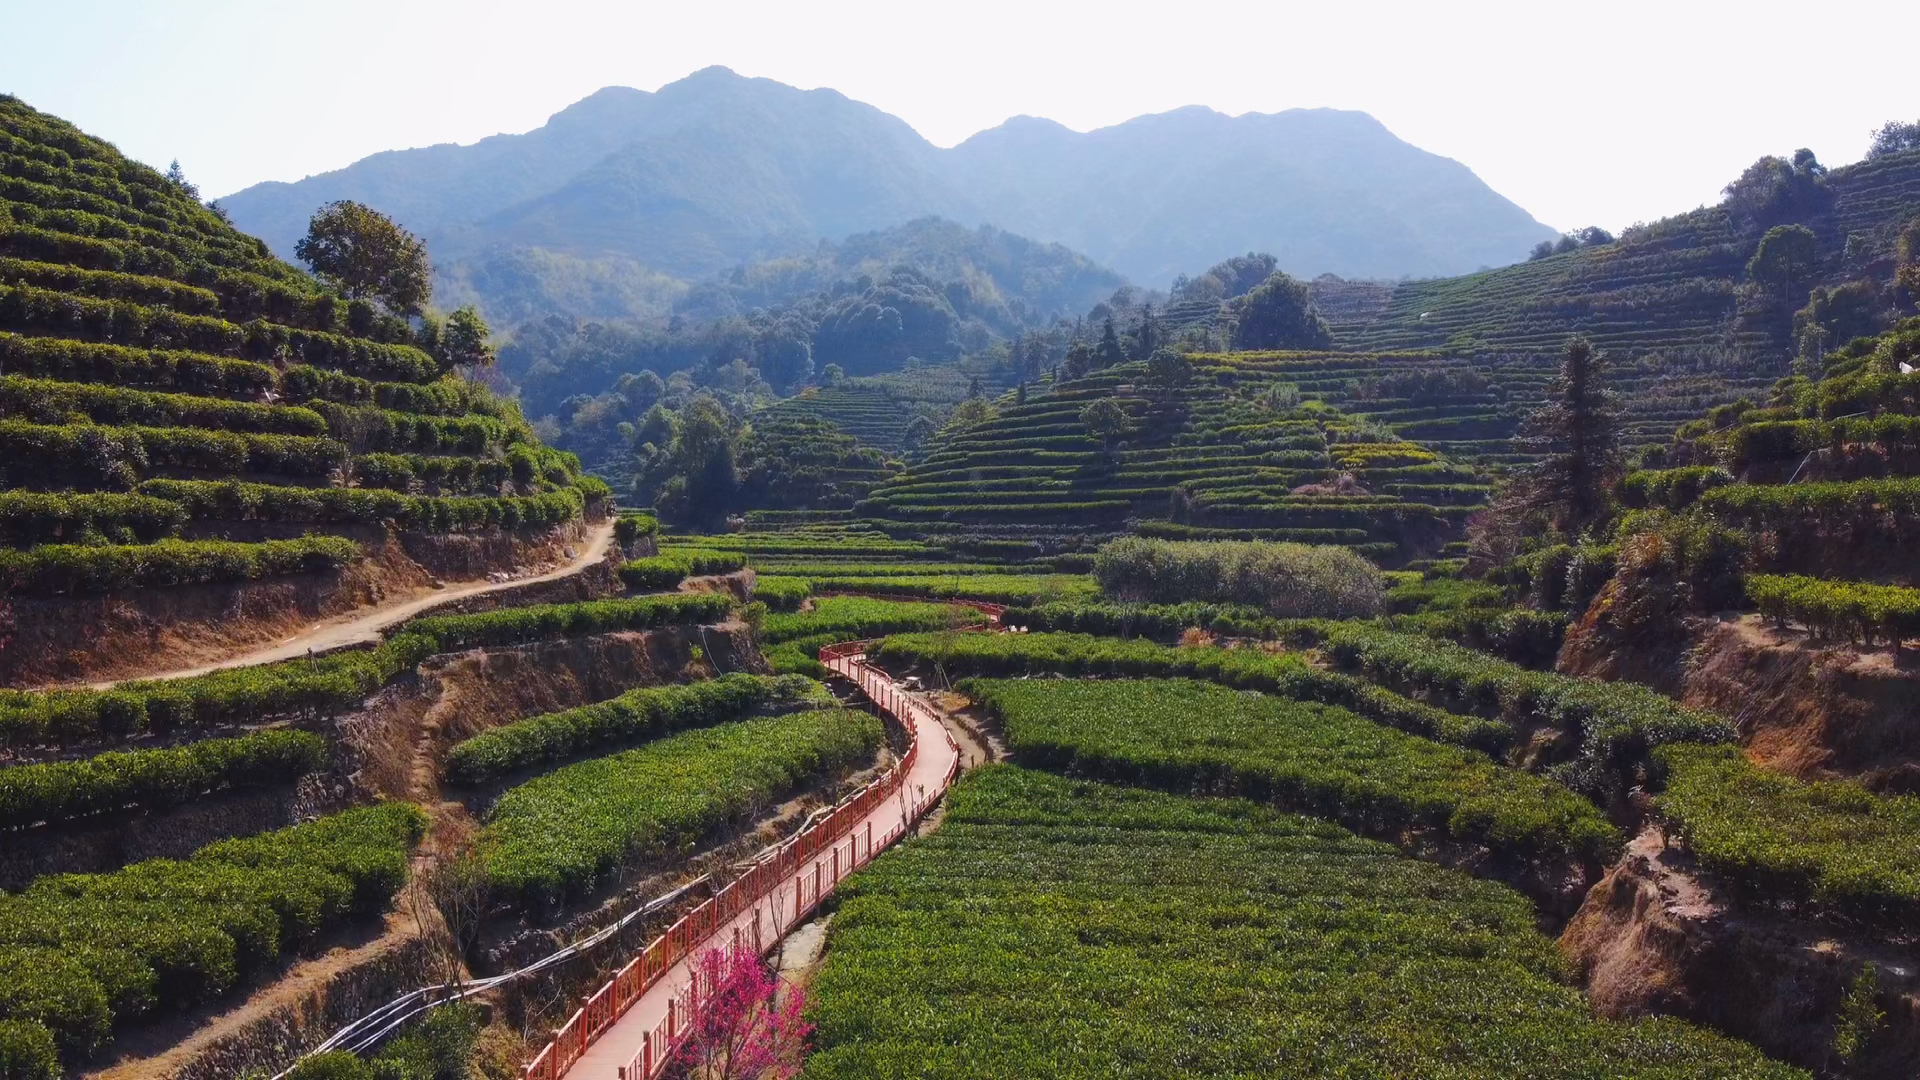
(1541,250)
(704,455)
(362,253)
(1839,314)
(832,375)
(1109,352)
(465,342)
(1577,434)
(784,355)
(1894,138)
(1280,315)
(1775,191)
(1079,361)
(1038,352)
(971,413)
(1104,419)
(1229,278)
(975,388)
(1168,372)
(1786,258)
(918,431)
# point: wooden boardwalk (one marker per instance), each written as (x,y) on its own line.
(628,1030)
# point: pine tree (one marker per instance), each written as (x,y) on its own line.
(1578,433)
(1108,352)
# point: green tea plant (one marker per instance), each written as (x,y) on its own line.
(1830,843)
(1059,927)
(80,951)
(155,779)
(1189,736)
(648,712)
(556,836)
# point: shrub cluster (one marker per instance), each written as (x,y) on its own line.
(1289,580)
(155,779)
(119,365)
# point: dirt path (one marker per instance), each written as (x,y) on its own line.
(366,625)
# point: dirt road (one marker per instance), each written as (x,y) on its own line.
(367,624)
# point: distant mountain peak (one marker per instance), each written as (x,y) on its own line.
(720,168)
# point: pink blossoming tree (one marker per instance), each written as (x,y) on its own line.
(744,1028)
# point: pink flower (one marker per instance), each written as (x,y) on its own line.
(744,1027)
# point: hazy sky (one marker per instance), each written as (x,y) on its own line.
(1583,113)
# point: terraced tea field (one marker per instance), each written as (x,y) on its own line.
(1057,927)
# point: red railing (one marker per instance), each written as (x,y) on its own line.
(776,867)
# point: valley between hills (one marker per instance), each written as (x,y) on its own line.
(770,597)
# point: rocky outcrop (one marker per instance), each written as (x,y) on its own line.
(1655,936)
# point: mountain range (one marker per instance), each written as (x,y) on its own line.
(624,193)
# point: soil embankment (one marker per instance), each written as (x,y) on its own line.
(1656,936)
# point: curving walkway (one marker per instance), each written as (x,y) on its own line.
(366,625)
(628,1029)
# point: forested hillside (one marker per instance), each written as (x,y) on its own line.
(180,408)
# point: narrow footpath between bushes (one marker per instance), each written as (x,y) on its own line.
(366,625)
(621,1052)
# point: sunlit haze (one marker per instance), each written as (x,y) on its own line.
(1580,113)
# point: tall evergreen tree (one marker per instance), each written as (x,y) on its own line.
(1147,337)
(1577,432)
(1108,352)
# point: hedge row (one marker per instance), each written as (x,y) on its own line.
(1241,669)
(666,571)
(1673,489)
(155,779)
(325,685)
(45,401)
(399,472)
(28,518)
(97,455)
(1616,723)
(558,835)
(645,713)
(1854,610)
(80,951)
(370,428)
(1831,843)
(109,285)
(152,369)
(43,311)
(1184,736)
(232,500)
(781,594)
(74,569)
